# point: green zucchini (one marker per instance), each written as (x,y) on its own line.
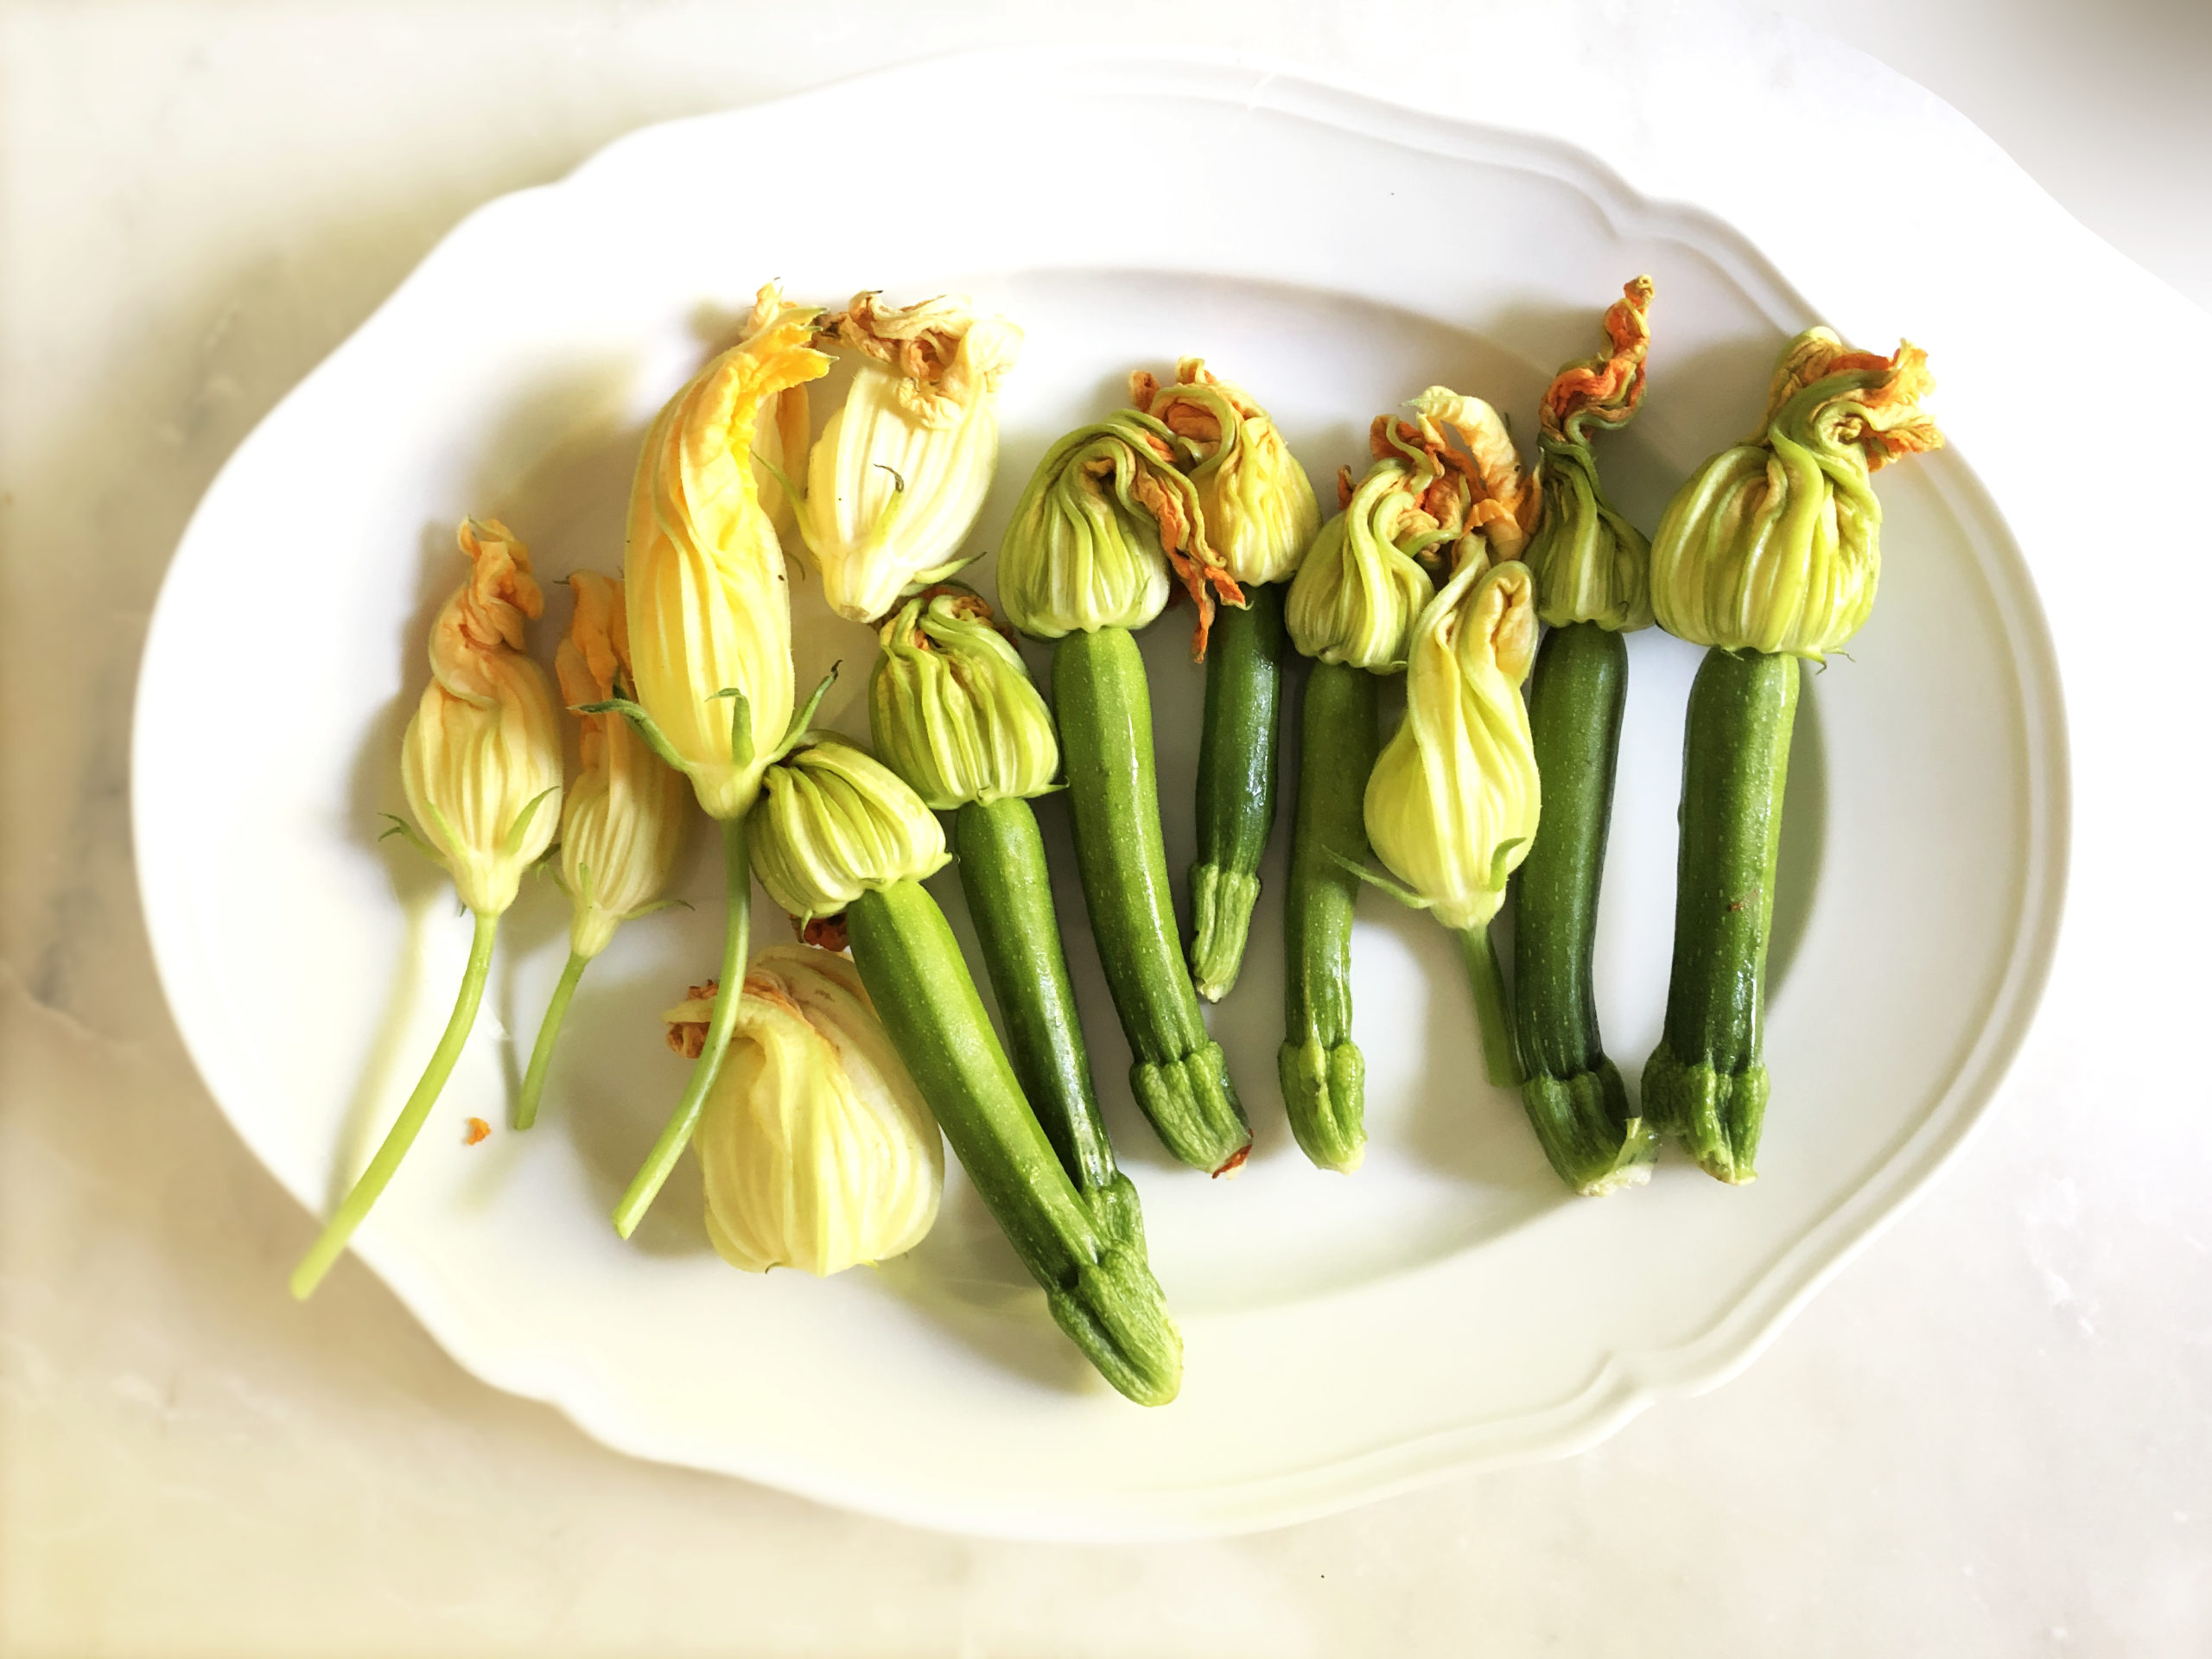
(1009,894)
(1237,782)
(1180,1076)
(1706,1084)
(1094,1275)
(1321,1070)
(1573,1093)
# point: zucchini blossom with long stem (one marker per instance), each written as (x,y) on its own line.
(709,608)
(901,470)
(839,824)
(818,1152)
(480,763)
(623,818)
(1770,554)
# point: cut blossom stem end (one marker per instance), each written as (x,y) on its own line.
(549,1032)
(737,875)
(339,1231)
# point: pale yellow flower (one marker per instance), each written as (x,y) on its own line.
(623,820)
(709,607)
(1260,514)
(482,759)
(817,1150)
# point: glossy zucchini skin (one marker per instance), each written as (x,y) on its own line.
(1078,1246)
(1009,893)
(1321,1070)
(1706,1084)
(1575,1099)
(1236,782)
(1180,1077)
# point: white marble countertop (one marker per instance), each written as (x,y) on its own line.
(1988,1436)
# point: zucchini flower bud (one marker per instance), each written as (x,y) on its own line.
(1591,565)
(901,471)
(623,821)
(483,751)
(952,707)
(1260,512)
(1453,801)
(710,611)
(817,1149)
(1104,519)
(836,822)
(1774,545)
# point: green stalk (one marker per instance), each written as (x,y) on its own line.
(1180,1076)
(737,878)
(340,1230)
(549,1032)
(1321,1069)
(1493,1009)
(1706,1083)
(1237,782)
(1009,893)
(1574,1096)
(1078,1246)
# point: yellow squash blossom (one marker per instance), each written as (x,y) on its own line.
(817,1149)
(709,609)
(1260,515)
(894,486)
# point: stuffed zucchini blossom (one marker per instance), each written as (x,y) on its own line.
(952,707)
(1591,565)
(817,1150)
(1424,500)
(902,468)
(709,607)
(1105,519)
(482,754)
(1452,802)
(1775,545)
(835,822)
(1260,514)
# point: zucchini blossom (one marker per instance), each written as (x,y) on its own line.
(483,751)
(1103,520)
(835,822)
(1453,801)
(709,609)
(1260,512)
(952,707)
(623,821)
(817,1150)
(1356,596)
(1591,565)
(894,486)
(1775,545)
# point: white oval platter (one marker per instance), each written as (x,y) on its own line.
(1448,1307)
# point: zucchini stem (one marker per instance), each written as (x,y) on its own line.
(338,1232)
(1322,1072)
(737,926)
(1493,1008)
(549,1032)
